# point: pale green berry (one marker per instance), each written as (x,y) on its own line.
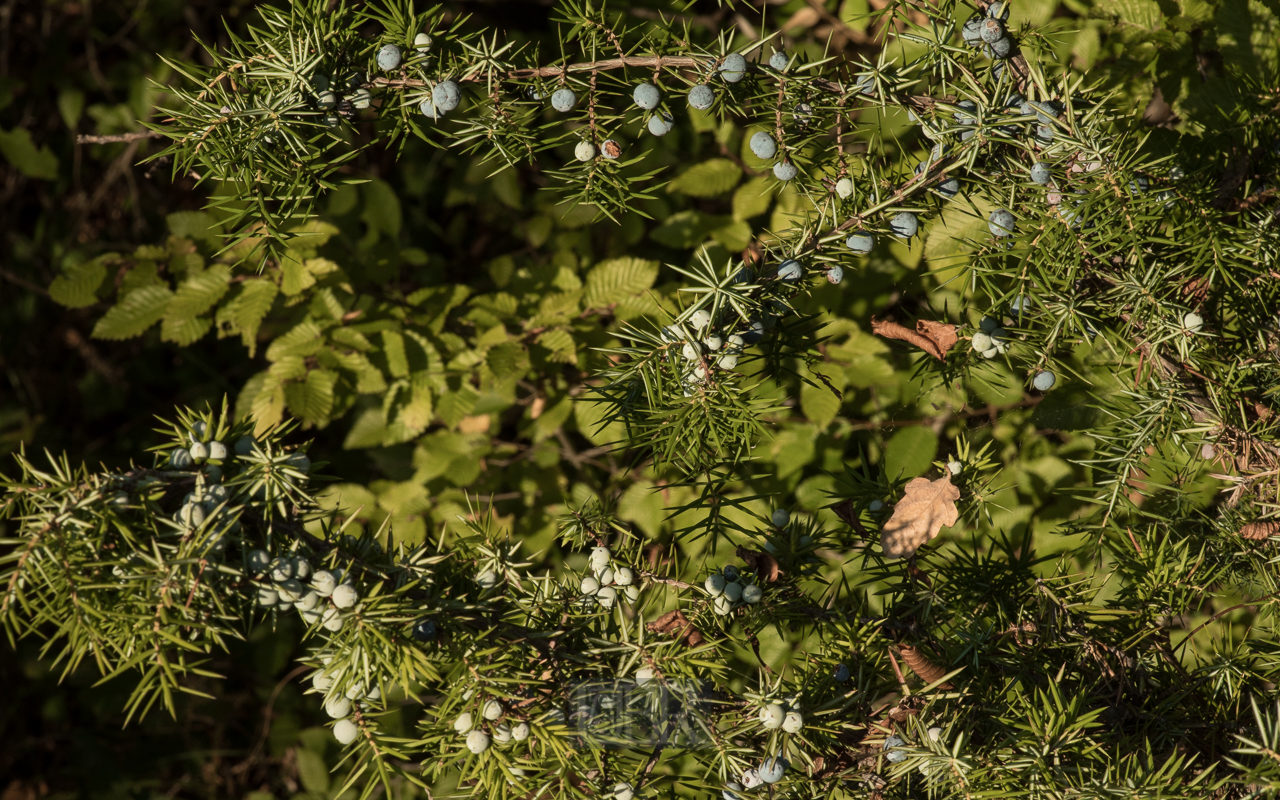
(714,584)
(345,596)
(722,605)
(290,590)
(733,591)
(1192,322)
(1044,380)
(981,341)
(606,576)
(751,778)
(258,560)
(324,583)
(772,715)
(935,733)
(607,596)
(422,41)
(772,769)
(793,722)
(268,597)
(477,742)
(320,681)
(589,585)
(301,568)
(624,791)
(844,188)
(713,342)
(463,723)
(345,731)
(331,620)
(700,319)
(520,732)
(600,557)
(337,707)
(388,57)
(281,569)
(217,450)
(584,151)
(487,579)
(502,734)
(309,617)
(643,676)
(327,100)
(631,593)
(181,459)
(752,594)
(623,576)
(727,361)
(954,467)
(492,710)
(780,518)
(307,602)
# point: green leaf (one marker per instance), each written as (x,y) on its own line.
(508,360)
(77,286)
(643,505)
(193,225)
(457,404)
(910,452)
(819,403)
(707,179)
(304,339)
(393,350)
(616,279)
(753,198)
(249,308)
(312,771)
(685,229)
(184,331)
(20,151)
(139,310)
(733,234)
(368,430)
(312,400)
(294,275)
(381,208)
(198,294)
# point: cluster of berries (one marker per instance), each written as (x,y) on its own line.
(786,716)
(478,740)
(339,706)
(988,31)
(323,599)
(607,580)
(769,772)
(729,591)
(991,340)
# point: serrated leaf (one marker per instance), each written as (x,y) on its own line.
(197,294)
(507,361)
(312,771)
(910,452)
(753,198)
(684,229)
(393,351)
(819,404)
(268,406)
(77,286)
(707,179)
(457,404)
(249,308)
(416,414)
(304,339)
(616,279)
(312,399)
(559,341)
(193,225)
(733,234)
(139,310)
(294,275)
(184,331)
(368,430)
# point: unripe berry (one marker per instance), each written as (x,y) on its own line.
(1193,322)
(752,594)
(520,731)
(772,715)
(327,101)
(502,734)
(702,97)
(563,100)
(324,583)
(422,41)
(785,170)
(307,602)
(463,723)
(345,731)
(428,109)
(661,123)
(589,585)
(790,270)
(1001,223)
(647,96)
(388,57)
(321,681)
(1044,380)
(345,596)
(714,584)
(487,579)
(258,560)
(624,791)
(624,576)
(446,95)
(793,722)
(643,676)
(690,351)
(290,590)
(268,597)
(844,187)
(301,567)
(955,467)
(763,145)
(192,515)
(1040,173)
(600,557)
(835,274)
(607,596)
(361,99)
(492,710)
(981,342)
(733,591)
(477,741)
(217,450)
(972,31)
(733,68)
(780,518)
(181,459)
(584,151)
(861,242)
(935,733)
(772,769)
(722,606)
(245,445)
(905,224)
(713,342)
(337,707)
(606,576)
(331,620)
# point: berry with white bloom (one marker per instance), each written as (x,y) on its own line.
(790,270)
(772,769)
(327,100)
(905,224)
(181,459)
(301,568)
(702,97)
(1040,172)
(1192,322)
(388,57)
(563,100)
(217,450)
(345,596)
(772,716)
(345,731)
(463,723)
(713,342)
(422,41)
(793,722)
(700,319)
(991,31)
(778,60)
(752,594)
(661,123)
(751,778)
(337,707)
(785,170)
(714,584)
(982,341)
(835,274)
(1044,380)
(584,151)
(727,361)
(487,579)
(860,242)
(520,731)
(624,791)
(733,591)
(258,560)
(607,596)
(324,582)
(875,505)
(446,95)
(844,187)
(492,710)
(646,96)
(320,681)
(1001,223)
(281,569)
(733,68)
(954,467)
(245,444)
(730,791)
(268,597)
(477,742)
(631,593)
(972,31)
(763,145)
(624,576)
(722,606)
(643,676)
(606,576)
(600,558)
(502,734)
(780,518)
(290,591)
(589,585)
(331,620)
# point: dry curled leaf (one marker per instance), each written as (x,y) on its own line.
(1262,529)
(675,623)
(923,510)
(922,666)
(765,565)
(935,338)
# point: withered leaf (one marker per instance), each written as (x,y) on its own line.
(765,565)
(935,338)
(1262,529)
(923,510)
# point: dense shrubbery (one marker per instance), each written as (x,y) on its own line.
(794,400)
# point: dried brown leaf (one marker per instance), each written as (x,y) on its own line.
(1262,529)
(922,666)
(923,510)
(935,338)
(765,565)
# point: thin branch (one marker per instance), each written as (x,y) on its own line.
(86,138)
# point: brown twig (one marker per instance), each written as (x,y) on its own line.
(86,138)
